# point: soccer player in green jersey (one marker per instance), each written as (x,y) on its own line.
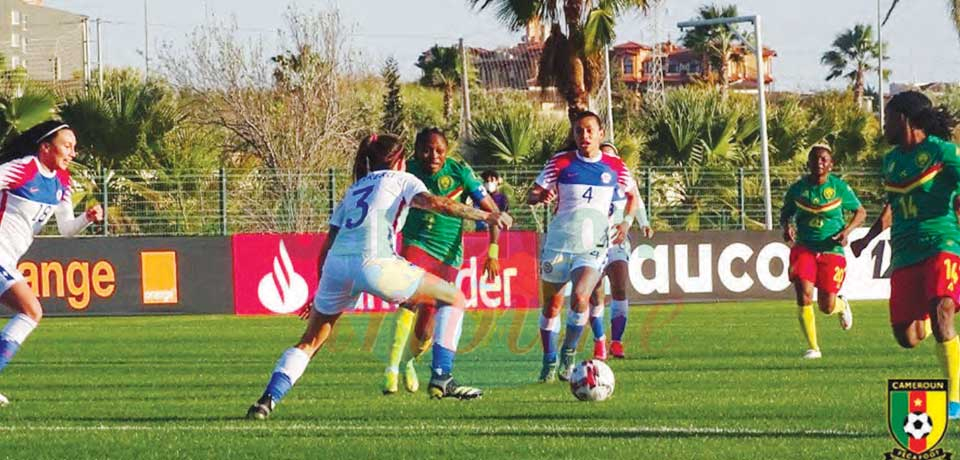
(434,242)
(921,175)
(816,203)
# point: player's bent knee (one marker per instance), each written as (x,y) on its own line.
(551,310)
(905,338)
(459,301)
(946,308)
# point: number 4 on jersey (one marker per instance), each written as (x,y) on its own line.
(588,194)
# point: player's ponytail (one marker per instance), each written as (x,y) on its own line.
(28,142)
(376,152)
(936,121)
(922,114)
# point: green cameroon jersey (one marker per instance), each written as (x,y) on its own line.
(920,186)
(439,235)
(819,211)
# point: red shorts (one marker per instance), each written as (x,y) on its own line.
(915,287)
(824,269)
(420,258)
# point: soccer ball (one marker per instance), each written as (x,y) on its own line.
(592,380)
(918,425)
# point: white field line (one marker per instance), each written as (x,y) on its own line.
(474,429)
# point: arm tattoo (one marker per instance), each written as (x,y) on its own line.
(444,205)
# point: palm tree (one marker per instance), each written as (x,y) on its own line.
(853,54)
(717,45)
(441,69)
(580,30)
(19,113)
(125,124)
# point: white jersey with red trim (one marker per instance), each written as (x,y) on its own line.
(371,213)
(585,189)
(29,195)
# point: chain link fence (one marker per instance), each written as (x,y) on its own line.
(159,203)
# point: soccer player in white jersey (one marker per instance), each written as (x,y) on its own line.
(583,181)
(34,185)
(359,255)
(626,208)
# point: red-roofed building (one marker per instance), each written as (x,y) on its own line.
(682,66)
(516,67)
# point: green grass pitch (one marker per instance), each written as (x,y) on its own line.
(700,381)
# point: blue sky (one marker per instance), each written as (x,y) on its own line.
(923,46)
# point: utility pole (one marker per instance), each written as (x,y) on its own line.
(146,43)
(609,92)
(99,58)
(465,89)
(86,53)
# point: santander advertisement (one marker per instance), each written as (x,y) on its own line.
(277,273)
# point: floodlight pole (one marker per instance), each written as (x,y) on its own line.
(761,100)
(609,94)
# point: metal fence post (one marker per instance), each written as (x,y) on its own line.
(331,191)
(223,201)
(648,191)
(743,200)
(104,197)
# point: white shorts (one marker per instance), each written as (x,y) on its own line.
(618,253)
(556,267)
(344,278)
(9,275)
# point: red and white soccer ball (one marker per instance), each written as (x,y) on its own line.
(592,380)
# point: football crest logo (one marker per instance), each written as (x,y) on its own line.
(606,178)
(829,193)
(922,159)
(917,418)
(445,182)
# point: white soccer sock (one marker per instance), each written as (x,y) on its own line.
(448,327)
(577,319)
(292,363)
(618,308)
(18,328)
(596,311)
(550,324)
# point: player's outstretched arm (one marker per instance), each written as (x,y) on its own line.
(70,225)
(444,205)
(882,223)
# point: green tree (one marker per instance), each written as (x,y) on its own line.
(580,30)
(441,69)
(852,54)
(717,45)
(126,124)
(703,136)
(394,113)
(20,113)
